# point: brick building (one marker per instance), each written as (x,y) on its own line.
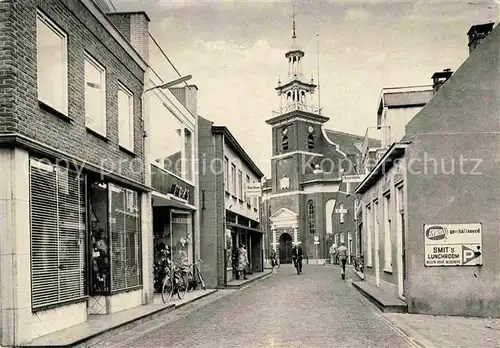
(428,237)
(71,161)
(308,162)
(171,147)
(228,216)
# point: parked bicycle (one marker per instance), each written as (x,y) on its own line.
(194,277)
(175,282)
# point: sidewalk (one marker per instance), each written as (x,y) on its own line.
(99,327)
(239,283)
(445,331)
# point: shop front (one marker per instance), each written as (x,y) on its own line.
(173,223)
(252,238)
(80,253)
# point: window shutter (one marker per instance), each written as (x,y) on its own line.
(57,215)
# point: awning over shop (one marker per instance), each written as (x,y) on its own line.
(243,227)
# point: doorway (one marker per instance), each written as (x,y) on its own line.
(285,249)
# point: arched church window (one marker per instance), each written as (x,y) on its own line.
(269,211)
(311,217)
(284,142)
(303,97)
(310,141)
(288,95)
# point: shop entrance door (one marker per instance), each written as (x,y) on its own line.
(285,248)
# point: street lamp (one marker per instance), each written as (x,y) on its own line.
(162,86)
(170,83)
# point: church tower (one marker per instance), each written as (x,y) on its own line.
(296,124)
(294,195)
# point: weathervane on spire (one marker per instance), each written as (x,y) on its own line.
(294,36)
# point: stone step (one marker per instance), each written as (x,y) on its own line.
(383,300)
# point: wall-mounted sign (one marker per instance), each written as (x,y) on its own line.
(179,191)
(453,244)
(316,238)
(353,178)
(340,211)
(254,189)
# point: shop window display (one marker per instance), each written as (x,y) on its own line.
(99,238)
(173,244)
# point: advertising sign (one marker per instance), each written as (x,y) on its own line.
(254,189)
(340,211)
(453,244)
(353,178)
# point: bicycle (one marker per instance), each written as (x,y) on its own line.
(175,282)
(297,264)
(195,277)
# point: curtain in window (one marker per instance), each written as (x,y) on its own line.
(57,213)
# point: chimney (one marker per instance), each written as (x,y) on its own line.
(477,33)
(188,96)
(134,26)
(439,79)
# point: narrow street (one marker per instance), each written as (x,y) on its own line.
(315,309)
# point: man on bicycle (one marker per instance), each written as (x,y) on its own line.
(297,257)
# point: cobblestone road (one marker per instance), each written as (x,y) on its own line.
(315,309)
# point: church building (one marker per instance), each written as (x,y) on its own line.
(308,162)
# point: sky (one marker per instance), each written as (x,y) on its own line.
(235,51)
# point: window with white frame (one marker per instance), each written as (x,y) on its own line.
(188,155)
(125,118)
(95,95)
(311,217)
(226,174)
(240,184)
(336,239)
(57,221)
(342,238)
(248,199)
(369,231)
(52,64)
(355,209)
(387,234)
(348,187)
(233,179)
(342,215)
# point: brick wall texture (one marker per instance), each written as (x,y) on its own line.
(212,232)
(19,108)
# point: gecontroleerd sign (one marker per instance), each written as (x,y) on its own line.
(453,244)
(340,211)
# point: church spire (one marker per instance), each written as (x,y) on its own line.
(294,36)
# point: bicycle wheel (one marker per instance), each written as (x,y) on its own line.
(167,289)
(202,282)
(182,286)
(190,278)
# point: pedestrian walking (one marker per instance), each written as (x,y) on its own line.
(333,253)
(242,261)
(342,253)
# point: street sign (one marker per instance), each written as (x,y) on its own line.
(453,244)
(316,238)
(353,178)
(254,189)
(316,242)
(340,211)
